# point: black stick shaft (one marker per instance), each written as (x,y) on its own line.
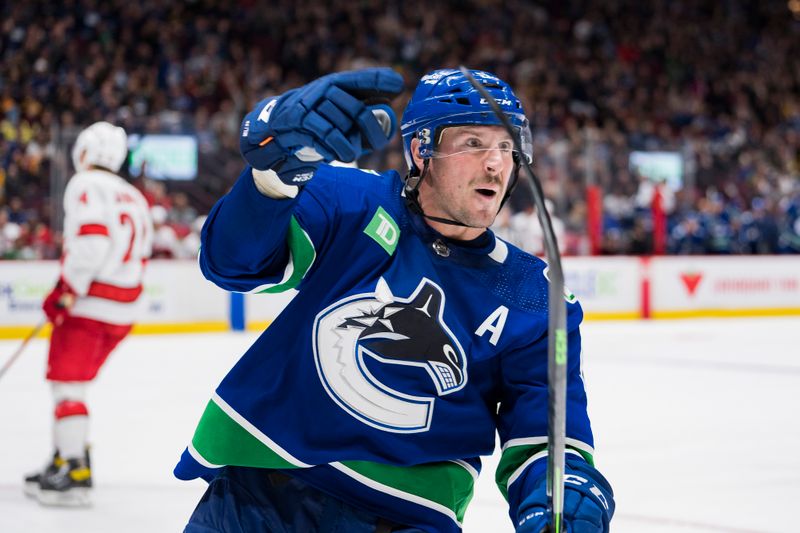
(557,331)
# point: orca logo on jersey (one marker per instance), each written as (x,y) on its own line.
(392,331)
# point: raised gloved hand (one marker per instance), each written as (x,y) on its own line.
(337,117)
(58,303)
(588,501)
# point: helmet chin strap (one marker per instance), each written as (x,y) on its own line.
(412,196)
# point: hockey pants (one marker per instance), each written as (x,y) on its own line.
(255,500)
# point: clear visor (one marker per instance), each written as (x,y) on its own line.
(430,147)
(478,152)
(470,142)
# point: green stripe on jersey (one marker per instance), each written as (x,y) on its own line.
(221,440)
(224,437)
(511,460)
(514,456)
(302,254)
(445,484)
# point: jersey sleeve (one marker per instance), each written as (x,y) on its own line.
(523,411)
(87,236)
(253,243)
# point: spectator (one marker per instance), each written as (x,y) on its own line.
(165,240)
(181,214)
(9,233)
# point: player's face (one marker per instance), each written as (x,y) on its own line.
(467,178)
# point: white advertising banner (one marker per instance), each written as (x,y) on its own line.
(175,293)
(177,297)
(23,286)
(607,287)
(724,286)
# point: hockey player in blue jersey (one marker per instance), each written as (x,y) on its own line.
(414,338)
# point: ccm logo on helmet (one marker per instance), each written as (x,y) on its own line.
(501,101)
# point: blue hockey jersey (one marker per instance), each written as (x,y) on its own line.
(388,374)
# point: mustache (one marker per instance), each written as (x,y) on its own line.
(488,179)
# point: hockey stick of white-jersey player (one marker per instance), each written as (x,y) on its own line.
(34,332)
(557,331)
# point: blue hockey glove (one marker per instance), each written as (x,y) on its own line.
(588,501)
(337,117)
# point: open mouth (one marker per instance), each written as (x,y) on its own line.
(487,193)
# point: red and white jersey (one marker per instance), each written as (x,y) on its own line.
(108,237)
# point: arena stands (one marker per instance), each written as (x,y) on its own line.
(716,82)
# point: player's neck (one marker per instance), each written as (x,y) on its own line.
(456,233)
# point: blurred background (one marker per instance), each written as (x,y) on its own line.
(661,127)
(667,138)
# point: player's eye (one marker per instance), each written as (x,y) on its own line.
(473,142)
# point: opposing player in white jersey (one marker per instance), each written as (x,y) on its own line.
(107,241)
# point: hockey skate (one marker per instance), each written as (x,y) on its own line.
(33,480)
(68,485)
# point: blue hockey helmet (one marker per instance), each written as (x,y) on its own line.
(446,98)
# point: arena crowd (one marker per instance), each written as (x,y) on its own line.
(717,82)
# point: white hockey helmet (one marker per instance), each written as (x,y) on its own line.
(101,144)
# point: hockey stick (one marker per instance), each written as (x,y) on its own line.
(22,346)
(556,330)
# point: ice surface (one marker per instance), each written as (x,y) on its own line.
(696,424)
